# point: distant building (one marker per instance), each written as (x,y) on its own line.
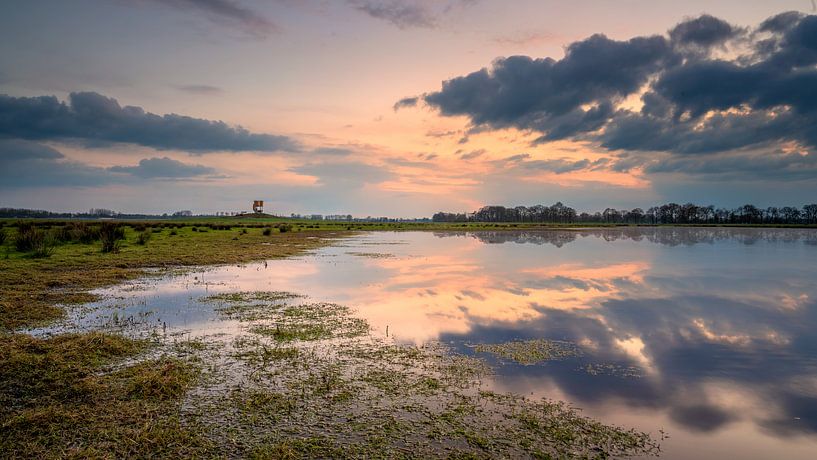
(258,206)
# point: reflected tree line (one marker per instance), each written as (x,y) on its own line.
(670,213)
(676,236)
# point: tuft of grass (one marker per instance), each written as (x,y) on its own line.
(28,236)
(111,233)
(143,237)
(290,333)
(267,231)
(44,246)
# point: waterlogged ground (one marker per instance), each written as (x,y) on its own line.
(461,343)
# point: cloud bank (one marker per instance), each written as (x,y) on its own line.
(707,87)
(31,164)
(96,120)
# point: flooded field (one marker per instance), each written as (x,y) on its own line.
(702,338)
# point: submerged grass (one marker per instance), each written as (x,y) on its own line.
(306,385)
(529,352)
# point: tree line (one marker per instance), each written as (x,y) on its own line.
(670,213)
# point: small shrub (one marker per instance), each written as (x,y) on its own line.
(267,231)
(143,237)
(111,233)
(173,233)
(44,246)
(3,235)
(27,237)
(195,229)
(243,231)
(62,234)
(283,228)
(84,233)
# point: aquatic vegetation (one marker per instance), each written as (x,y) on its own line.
(305,384)
(529,352)
(372,255)
(615,370)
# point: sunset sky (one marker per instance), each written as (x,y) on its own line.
(404,108)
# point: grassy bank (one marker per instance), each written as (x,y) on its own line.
(31,286)
(82,395)
(59,398)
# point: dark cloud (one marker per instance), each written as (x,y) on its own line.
(522,161)
(472,154)
(564,165)
(704,31)
(202,90)
(439,134)
(153,168)
(512,159)
(752,166)
(529,93)
(400,13)
(228,13)
(693,103)
(95,119)
(31,164)
(405,102)
(409,13)
(332,151)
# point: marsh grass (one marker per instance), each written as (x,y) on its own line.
(111,234)
(28,236)
(61,397)
(44,246)
(308,381)
(528,352)
(143,237)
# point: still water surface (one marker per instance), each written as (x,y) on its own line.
(707,334)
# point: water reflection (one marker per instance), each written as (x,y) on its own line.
(715,327)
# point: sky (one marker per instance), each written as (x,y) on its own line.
(404,108)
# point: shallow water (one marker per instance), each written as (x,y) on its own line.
(707,334)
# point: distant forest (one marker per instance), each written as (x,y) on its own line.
(92,214)
(671,213)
